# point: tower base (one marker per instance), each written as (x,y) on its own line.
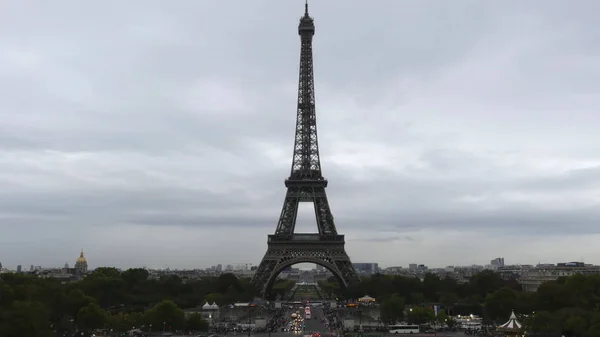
(328,252)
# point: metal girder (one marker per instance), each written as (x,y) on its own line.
(333,257)
(289,211)
(305,184)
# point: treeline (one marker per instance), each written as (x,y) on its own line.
(110,299)
(569,305)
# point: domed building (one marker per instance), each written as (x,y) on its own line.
(81,265)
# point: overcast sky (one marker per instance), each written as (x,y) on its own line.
(159,133)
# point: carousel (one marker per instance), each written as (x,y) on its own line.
(366,299)
(511,328)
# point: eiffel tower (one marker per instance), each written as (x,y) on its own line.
(305,184)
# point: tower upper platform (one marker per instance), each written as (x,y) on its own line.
(307,24)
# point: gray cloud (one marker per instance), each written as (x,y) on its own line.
(174,123)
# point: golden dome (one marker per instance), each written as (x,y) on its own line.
(81,258)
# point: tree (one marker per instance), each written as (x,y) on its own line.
(500,303)
(227,281)
(552,296)
(574,321)
(218,298)
(123,321)
(417,298)
(593,331)
(134,276)
(75,300)
(392,309)
(166,313)
(485,283)
(91,317)
(543,322)
(25,319)
(124,296)
(331,289)
(449,299)
(420,315)
(43,304)
(195,322)
(432,285)
(103,272)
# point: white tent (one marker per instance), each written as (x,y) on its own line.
(214,306)
(206,306)
(512,325)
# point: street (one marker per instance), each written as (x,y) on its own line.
(315,324)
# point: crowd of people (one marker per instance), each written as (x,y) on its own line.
(277,321)
(335,323)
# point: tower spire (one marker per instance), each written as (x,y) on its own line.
(306,28)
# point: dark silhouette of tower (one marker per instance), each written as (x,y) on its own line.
(305,184)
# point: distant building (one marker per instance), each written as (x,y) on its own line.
(570,264)
(366,268)
(497,262)
(19,268)
(412,266)
(532,278)
(81,265)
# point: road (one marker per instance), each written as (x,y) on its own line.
(315,324)
(312,325)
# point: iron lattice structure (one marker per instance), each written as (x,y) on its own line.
(305,184)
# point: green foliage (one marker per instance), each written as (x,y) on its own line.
(108,298)
(166,312)
(195,322)
(461,298)
(392,309)
(569,305)
(25,319)
(111,299)
(420,315)
(91,317)
(500,302)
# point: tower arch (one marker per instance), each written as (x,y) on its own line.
(325,263)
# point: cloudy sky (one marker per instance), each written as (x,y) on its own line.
(159,133)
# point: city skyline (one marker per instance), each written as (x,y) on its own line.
(248,265)
(160,134)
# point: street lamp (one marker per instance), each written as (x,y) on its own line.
(360,320)
(249,319)
(164,326)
